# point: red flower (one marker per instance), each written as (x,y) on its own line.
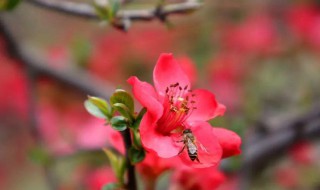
(256,35)
(64,131)
(188,67)
(171,109)
(229,141)
(226,72)
(303,153)
(153,166)
(98,178)
(287,177)
(197,179)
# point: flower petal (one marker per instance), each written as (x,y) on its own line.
(166,72)
(229,141)
(208,147)
(147,96)
(206,105)
(163,145)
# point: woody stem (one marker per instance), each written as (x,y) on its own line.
(131,184)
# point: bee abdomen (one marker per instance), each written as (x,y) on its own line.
(193,156)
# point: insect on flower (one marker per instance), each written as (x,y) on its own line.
(190,142)
(173,108)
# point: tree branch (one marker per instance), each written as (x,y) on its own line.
(87,11)
(305,126)
(78,79)
(260,149)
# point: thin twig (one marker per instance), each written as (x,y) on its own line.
(87,11)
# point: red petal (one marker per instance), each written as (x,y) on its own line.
(166,72)
(229,141)
(146,95)
(209,149)
(163,145)
(188,67)
(206,105)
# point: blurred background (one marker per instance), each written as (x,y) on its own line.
(260,58)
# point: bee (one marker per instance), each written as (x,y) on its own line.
(190,142)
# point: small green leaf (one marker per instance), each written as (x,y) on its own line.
(136,124)
(103,12)
(123,110)
(93,109)
(123,97)
(8,5)
(136,155)
(115,6)
(110,186)
(119,123)
(111,156)
(136,139)
(81,50)
(121,170)
(97,107)
(118,165)
(108,11)
(40,156)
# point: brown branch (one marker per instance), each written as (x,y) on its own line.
(87,11)
(77,78)
(260,149)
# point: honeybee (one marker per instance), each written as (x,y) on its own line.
(190,142)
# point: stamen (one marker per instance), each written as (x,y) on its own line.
(178,106)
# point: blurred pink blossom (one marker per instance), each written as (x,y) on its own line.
(196,178)
(303,153)
(64,132)
(153,166)
(13,85)
(96,179)
(225,76)
(255,35)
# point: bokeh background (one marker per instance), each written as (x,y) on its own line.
(260,58)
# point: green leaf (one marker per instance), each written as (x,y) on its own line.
(108,11)
(111,156)
(136,139)
(123,97)
(40,155)
(119,123)
(110,186)
(136,155)
(81,50)
(121,168)
(118,165)
(102,11)
(136,124)
(8,4)
(97,107)
(124,111)
(115,6)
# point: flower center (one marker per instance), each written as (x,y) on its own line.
(178,106)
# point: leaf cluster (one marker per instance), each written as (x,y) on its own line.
(119,113)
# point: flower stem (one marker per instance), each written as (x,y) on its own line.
(131,184)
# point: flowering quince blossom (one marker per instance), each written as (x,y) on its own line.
(173,107)
(96,179)
(153,166)
(64,132)
(187,178)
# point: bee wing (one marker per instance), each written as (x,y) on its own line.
(201,146)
